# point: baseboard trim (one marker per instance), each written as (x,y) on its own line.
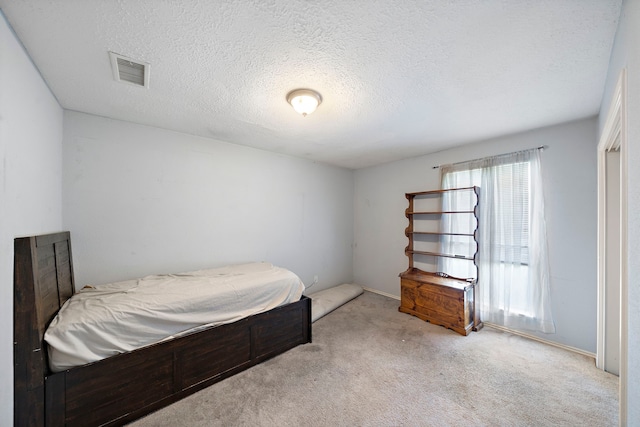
(384,294)
(505,329)
(542,340)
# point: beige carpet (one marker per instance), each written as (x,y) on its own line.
(370,365)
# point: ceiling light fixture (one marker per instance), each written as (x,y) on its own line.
(304,101)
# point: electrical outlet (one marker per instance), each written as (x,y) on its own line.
(315,279)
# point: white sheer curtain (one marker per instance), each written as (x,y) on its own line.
(513,262)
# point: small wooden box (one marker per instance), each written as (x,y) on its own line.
(443,301)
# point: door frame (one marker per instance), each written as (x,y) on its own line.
(614,136)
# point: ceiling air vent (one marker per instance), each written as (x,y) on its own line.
(129,70)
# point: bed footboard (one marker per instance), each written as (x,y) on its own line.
(122,388)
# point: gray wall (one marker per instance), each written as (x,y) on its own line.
(569,169)
(141,200)
(30,179)
(626,54)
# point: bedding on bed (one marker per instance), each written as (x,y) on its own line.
(105,320)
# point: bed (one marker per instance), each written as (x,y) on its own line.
(124,387)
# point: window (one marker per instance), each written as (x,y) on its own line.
(513,273)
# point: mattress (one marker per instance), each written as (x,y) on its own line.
(104,320)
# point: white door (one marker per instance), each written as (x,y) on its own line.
(612,273)
(613,269)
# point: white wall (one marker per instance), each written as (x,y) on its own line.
(141,200)
(569,169)
(30,179)
(626,54)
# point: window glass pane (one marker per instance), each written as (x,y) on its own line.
(511,212)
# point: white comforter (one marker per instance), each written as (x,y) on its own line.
(105,320)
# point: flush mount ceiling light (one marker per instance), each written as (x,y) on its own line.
(304,101)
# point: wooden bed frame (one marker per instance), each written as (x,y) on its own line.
(122,388)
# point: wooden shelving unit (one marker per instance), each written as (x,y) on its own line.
(436,296)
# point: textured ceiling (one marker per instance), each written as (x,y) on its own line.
(399,78)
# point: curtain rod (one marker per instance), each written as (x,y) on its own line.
(542,147)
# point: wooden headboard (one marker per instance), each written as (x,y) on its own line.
(43,281)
